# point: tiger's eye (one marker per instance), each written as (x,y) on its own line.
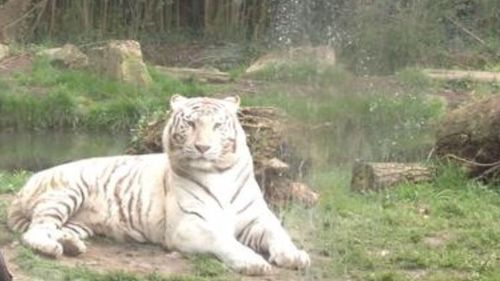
(191,124)
(178,137)
(217,125)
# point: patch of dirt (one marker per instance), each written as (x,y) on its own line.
(416,274)
(15,64)
(104,256)
(437,240)
(454,99)
(107,256)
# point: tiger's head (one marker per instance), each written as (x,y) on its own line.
(203,133)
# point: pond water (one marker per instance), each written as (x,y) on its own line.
(34,151)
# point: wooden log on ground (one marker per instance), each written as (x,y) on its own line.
(370,176)
(273,154)
(470,136)
(4,271)
(198,74)
(451,75)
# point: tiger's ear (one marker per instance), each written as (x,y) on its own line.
(176,101)
(235,100)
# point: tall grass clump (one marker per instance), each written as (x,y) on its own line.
(27,111)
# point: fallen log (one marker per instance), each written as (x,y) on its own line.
(470,136)
(371,176)
(4,272)
(451,75)
(199,74)
(273,154)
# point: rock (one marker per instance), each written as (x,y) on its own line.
(4,51)
(121,60)
(322,56)
(68,56)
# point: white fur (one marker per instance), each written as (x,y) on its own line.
(170,209)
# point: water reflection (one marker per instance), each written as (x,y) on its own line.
(39,150)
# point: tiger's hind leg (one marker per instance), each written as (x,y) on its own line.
(48,233)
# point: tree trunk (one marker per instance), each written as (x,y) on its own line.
(4,272)
(470,135)
(369,176)
(14,15)
(454,75)
(198,74)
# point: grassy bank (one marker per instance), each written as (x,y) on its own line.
(50,98)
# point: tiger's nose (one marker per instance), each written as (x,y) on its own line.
(202,147)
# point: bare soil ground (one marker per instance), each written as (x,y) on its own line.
(17,63)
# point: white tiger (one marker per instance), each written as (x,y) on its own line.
(199,197)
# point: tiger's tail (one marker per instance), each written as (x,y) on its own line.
(17,219)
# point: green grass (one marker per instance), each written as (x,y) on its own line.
(10,182)
(374,236)
(50,98)
(384,236)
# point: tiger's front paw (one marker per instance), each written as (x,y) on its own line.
(254,266)
(43,241)
(72,246)
(293,258)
